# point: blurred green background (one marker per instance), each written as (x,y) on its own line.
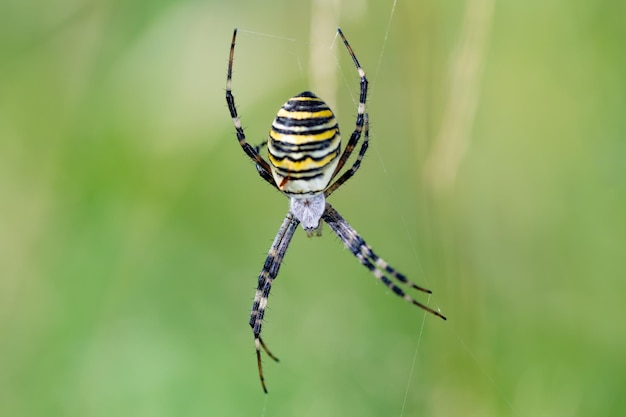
(132,226)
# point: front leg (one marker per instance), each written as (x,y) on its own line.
(262,166)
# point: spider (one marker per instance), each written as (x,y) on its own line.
(304,154)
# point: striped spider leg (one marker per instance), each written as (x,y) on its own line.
(364,253)
(304,157)
(266,278)
(261,165)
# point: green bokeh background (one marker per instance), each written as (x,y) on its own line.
(132,227)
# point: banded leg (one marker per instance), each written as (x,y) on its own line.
(356,134)
(266,278)
(377,266)
(349,173)
(262,166)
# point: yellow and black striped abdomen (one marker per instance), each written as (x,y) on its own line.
(304,146)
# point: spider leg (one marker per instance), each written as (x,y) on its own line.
(364,253)
(357,163)
(356,134)
(260,146)
(266,278)
(262,166)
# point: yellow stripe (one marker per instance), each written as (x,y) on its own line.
(302,98)
(299,115)
(302,139)
(305,164)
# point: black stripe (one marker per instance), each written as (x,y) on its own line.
(304,147)
(299,176)
(308,122)
(290,158)
(311,102)
(309,132)
(307,94)
(308,192)
(305,106)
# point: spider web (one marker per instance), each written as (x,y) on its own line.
(328,82)
(402,219)
(487,7)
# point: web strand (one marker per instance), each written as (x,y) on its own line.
(395,199)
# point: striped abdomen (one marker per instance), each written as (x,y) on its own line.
(304,146)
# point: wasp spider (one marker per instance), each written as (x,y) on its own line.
(304,154)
